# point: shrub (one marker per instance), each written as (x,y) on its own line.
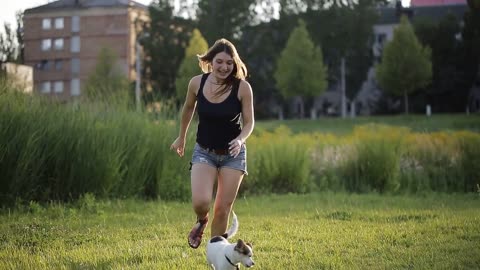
(374,162)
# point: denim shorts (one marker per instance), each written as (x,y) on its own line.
(204,156)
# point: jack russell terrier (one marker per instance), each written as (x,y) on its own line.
(222,255)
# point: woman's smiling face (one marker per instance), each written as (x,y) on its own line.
(222,65)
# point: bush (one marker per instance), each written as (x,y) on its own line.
(374,162)
(278,162)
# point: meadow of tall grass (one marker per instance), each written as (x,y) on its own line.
(53,151)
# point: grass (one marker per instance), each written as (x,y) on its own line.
(314,231)
(418,123)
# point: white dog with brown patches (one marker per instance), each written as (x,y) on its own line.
(222,255)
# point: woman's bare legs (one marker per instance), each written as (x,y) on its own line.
(202,179)
(229,181)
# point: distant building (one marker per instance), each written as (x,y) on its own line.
(63,39)
(424,3)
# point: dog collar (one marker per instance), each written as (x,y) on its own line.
(230,262)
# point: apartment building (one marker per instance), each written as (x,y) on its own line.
(64,38)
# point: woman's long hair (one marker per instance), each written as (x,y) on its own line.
(239,69)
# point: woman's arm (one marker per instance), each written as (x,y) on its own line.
(187,113)
(246,98)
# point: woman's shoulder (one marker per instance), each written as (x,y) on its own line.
(244,89)
(244,85)
(195,81)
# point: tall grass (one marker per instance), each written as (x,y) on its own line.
(53,151)
(374,163)
(278,162)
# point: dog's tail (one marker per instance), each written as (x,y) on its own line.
(233,228)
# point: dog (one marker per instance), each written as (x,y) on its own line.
(222,255)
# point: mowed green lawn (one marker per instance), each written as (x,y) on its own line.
(314,231)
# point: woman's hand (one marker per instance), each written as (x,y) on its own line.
(234,147)
(179,146)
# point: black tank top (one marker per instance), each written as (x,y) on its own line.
(218,123)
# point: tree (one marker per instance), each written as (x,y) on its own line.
(8,48)
(448,91)
(300,68)
(405,65)
(21,46)
(471,37)
(107,84)
(345,32)
(164,49)
(224,18)
(189,67)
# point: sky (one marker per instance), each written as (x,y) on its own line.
(10,7)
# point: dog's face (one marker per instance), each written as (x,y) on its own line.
(244,251)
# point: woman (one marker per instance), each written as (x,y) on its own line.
(225,110)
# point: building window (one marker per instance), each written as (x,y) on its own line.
(43,65)
(75,23)
(45,87)
(75,87)
(381,37)
(58,64)
(75,46)
(58,44)
(58,23)
(58,87)
(46,44)
(46,24)
(75,65)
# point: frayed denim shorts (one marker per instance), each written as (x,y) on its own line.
(205,156)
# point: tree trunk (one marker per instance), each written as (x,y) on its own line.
(313,113)
(406,102)
(302,108)
(343,99)
(353,113)
(280,112)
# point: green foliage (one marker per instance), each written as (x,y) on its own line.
(406,64)
(189,67)
(50,151)
(224,19)
(469,163)
(107,84)
(351,231)
(55,152)
(300,68)
(278,163)
(448,91)
(374,162)
(345,32)
(164,49)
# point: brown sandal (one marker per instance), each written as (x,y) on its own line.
(195,235)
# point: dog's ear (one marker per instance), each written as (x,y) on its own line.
(249,244)
(239,246)
(240,243)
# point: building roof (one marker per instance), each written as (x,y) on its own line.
(75,4)
(389,15)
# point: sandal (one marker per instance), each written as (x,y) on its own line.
(195,235)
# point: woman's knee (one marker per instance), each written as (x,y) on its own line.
(201,204)
(223,209)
